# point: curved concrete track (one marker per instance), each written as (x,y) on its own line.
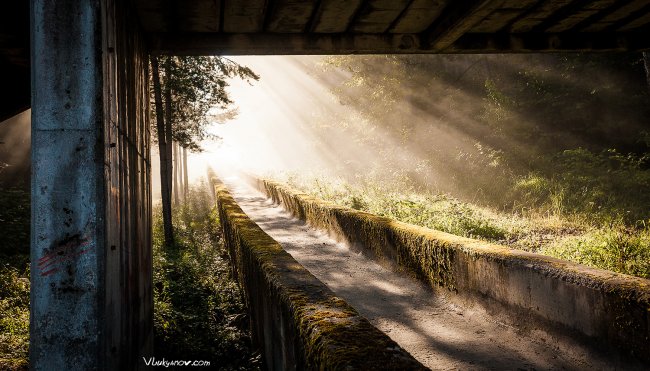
(437,332)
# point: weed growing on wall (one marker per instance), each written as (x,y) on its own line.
(198,309)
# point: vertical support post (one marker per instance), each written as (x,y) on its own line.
(68,194)
(91,293)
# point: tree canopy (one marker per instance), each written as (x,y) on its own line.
(184,92)
(198,86)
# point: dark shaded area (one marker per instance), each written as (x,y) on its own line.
(14,58)
(401,27)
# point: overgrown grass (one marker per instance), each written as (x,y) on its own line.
(198,309)
(607,187)
(617,248)
(14,318)
(614,245)
(14,279)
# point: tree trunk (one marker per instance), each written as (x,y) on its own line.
(181,189)
(164,158)
(646,63)
(185,176)
(176,173)
(168,125)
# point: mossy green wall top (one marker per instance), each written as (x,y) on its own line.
(298,321)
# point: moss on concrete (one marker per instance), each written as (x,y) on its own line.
(615,313)
(297,320)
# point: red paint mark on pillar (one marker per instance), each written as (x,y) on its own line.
(62,252)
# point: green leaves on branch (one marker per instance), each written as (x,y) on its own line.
(198,87)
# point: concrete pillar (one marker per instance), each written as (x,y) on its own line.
(67,235)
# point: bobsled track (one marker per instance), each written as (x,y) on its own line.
(441,329)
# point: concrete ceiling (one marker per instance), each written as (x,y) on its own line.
(393,26)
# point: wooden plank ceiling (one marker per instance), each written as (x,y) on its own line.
(393,26)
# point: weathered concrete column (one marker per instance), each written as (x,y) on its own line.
(91,299)
(67,235)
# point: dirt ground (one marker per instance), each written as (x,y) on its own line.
(437,332)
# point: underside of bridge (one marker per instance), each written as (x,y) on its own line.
(90,244)
(393,26)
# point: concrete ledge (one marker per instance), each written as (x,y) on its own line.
(299,322)
(602,309)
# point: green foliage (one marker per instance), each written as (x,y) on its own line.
(198,86)
(486,128)
(606,244)
(198,309)
(601,187)
(616,248)
(441,212)
(14,317)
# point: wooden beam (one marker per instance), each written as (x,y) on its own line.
(243,16)
(152,15)
(456,19)
(283,44)
(615,16)
(419,16)
(377,16)
(334,16)
(545,42)
(290,16)
(538,14)
(578,16)
(496,21)
(199,15)
(639,20)
(502,18)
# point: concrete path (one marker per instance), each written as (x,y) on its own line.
(441,335)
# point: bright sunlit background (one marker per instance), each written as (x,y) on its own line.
(271,132)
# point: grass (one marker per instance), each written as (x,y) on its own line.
(613,245)
(14,318)
(199,312)
(14,279)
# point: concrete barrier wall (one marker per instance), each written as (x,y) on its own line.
(600,308)
(297,321)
